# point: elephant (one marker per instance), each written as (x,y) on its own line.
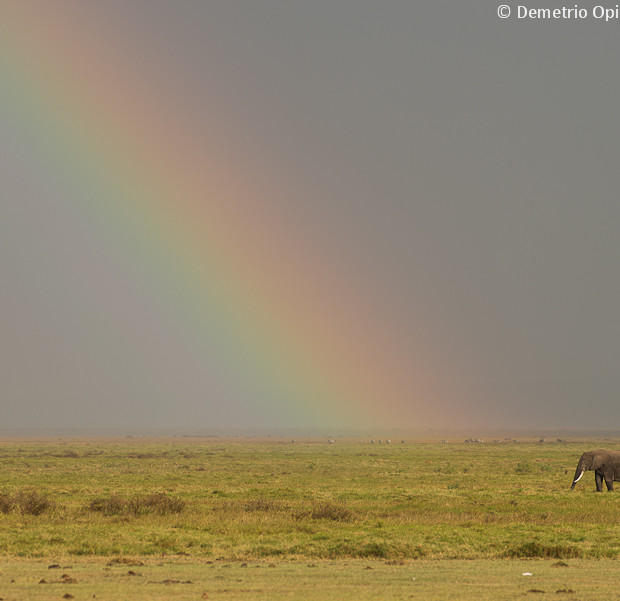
(605,464)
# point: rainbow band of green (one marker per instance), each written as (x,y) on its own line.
(182,251)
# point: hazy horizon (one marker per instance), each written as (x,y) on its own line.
(312,215)
(324,434)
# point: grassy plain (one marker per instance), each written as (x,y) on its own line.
(362,580)
(272,517)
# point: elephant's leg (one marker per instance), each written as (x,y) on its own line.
(599,482)
(609,482)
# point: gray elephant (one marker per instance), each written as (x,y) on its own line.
(605,464)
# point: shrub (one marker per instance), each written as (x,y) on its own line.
(155,502)
(534,549)
(112,505)
(31,502)
(524,467)
(6,502)
(337,512)
(265,505)
(375,549)
(70,453)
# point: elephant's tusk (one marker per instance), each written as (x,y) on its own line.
(577,479)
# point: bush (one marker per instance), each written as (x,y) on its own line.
(337,512)
(524,467)
(24,501)
(112,505)
(156,502)
(31,502)
(375,549)
(70,453)
(534,549)
(153,503)
(265,505)
(6,502)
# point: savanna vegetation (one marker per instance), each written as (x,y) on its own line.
(241,500)
(215,502)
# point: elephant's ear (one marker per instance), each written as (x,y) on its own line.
(597,462)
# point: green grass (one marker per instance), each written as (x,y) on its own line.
(246,519)
(242,500)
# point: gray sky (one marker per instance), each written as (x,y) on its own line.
(456,170)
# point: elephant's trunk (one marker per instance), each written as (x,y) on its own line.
(577,478)
(581,468)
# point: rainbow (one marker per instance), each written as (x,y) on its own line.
(200,218)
